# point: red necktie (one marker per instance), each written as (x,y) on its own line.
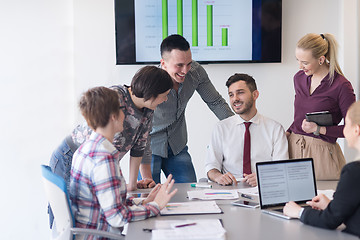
(247,144)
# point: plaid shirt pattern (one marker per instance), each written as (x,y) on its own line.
(98,189)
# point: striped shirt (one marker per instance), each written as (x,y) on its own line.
(169,126)
(98,189)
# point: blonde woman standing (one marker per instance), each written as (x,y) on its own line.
(319,86)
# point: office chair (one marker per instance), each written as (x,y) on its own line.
(64,224)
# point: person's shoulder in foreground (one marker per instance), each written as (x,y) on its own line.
(345,206)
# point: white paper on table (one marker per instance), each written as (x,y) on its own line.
(191,207)
(203,229)
(212,194)
(328,193)
(249,191)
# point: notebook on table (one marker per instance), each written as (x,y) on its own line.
(282,181)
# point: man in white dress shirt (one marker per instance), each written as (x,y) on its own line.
(224,162)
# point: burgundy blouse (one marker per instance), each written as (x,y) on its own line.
(335,98)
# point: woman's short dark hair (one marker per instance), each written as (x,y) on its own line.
(150,81)
(249,80)
(172,42)
(97,104)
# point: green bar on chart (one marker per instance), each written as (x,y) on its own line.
(209,24)
(194,15)
(165,19)
(224,36)
(180,17)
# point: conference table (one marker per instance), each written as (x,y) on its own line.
(242,222)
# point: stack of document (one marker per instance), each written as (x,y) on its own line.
(212,194)
(188,229)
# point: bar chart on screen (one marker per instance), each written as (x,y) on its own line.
(209,27)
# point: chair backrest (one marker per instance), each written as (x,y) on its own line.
(57,195)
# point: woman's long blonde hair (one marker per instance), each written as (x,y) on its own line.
(322,45)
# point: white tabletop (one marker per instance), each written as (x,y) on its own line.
(244,223)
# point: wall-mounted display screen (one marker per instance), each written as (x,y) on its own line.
(218,31)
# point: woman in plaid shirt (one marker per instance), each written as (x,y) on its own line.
(150,87)
(97,186)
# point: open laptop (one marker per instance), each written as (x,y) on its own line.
(282,181)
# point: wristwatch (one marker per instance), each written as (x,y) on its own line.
(317,132)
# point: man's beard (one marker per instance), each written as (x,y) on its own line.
(248,106)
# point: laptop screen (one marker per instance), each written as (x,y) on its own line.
(282,181)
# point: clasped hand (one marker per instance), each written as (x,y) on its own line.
(308,127)
(228,179)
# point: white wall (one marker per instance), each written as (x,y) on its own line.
(51,51)
(36,62)
(349,56)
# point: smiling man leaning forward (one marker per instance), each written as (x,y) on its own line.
(169,151)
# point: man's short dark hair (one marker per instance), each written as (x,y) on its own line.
(97,104)
(249,80)
(172,42)
(150,81)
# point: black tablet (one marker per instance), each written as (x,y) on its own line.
(320,118)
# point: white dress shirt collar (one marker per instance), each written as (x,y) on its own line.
(254,120)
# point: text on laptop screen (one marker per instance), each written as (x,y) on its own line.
(288,181)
